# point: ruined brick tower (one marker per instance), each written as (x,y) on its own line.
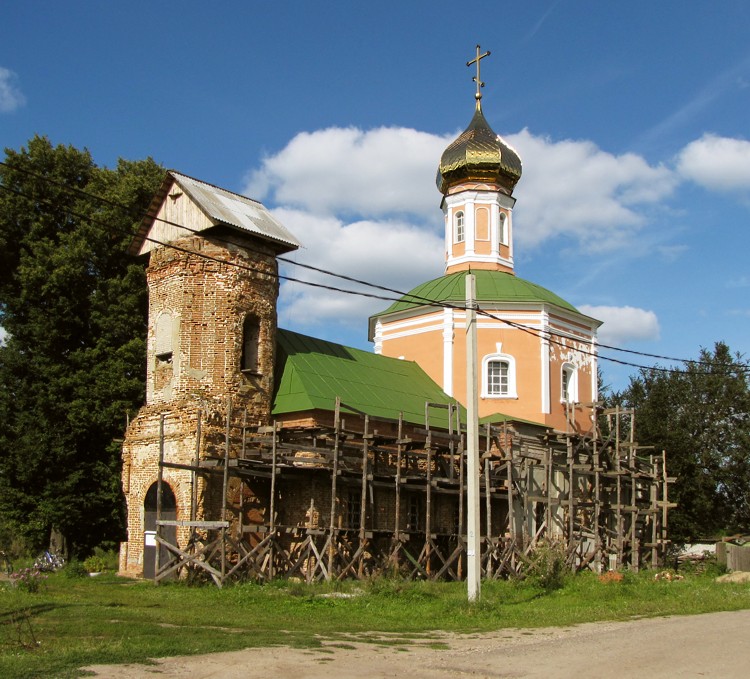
(213,284)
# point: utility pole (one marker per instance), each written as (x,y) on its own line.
(473,537)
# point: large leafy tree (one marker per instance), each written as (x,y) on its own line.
(701,416)
(73,305)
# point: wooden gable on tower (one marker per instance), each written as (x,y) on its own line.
(184,206)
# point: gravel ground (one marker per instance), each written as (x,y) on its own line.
(711,645)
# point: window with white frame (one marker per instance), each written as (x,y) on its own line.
(502,229)
(499,376)
(568,384)
(460,229)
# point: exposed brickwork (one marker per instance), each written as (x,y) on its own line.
(202,292)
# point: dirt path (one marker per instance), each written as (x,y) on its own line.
(712,645)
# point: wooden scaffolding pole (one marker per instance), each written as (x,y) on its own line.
(571,489)
(508,448)
(159,484)
(334,479)
(487,500)
(653,512)
(196,463)
(225,483)
(618,471)
(272,499)
(665,505)
(363,492)
(399,455)
(428,507)
(597,506)
(461,484)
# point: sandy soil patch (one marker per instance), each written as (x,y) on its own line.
(711,645)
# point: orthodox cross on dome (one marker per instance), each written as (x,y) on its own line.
(476,78)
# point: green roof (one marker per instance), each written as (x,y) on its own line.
(492,286)
(311,373)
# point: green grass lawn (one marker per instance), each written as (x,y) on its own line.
(70,623)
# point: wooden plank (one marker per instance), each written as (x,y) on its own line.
(209,525)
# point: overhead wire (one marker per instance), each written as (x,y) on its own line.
(547,334)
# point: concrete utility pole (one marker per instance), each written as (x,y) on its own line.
(473,541)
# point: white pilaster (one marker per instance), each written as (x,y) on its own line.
(594,369)
(545,360)
(470,221)
(448,343)
(378,337)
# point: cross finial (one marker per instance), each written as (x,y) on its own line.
(476,78)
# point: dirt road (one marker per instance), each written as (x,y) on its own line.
(712,645)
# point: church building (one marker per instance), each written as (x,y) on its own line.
(537,352)
(263,453)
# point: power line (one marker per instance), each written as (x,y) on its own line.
(547,334)
(415,298)
(204,255)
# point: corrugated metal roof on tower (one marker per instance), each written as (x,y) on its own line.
(235,210)
(220,207)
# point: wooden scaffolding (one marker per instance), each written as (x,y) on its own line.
(355,497)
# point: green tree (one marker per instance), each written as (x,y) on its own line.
(701,417)
(73,304)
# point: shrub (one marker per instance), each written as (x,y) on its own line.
(95,564)
(75,569)
(548,567)
(109,555)
(28,579)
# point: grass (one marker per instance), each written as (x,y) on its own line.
(76,622)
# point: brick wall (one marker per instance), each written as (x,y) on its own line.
(199,297)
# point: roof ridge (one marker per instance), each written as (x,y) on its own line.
(213,186)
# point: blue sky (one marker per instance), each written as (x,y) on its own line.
(631,120)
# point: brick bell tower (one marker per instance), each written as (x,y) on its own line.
(213,284)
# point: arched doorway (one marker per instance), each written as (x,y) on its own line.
(168,512)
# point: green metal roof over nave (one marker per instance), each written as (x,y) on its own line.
(311,373)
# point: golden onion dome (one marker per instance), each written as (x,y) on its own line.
(478,154)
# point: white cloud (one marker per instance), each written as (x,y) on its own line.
(364,203)
(11,97)
(623,324)
(3,335)
(348,171)
(718,163)
(393,253)
(569,189)
(574,189)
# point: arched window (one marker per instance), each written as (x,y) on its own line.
(502,229)
(460,229)
(250,345)
(163,338)
(568,383)
(499,376)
